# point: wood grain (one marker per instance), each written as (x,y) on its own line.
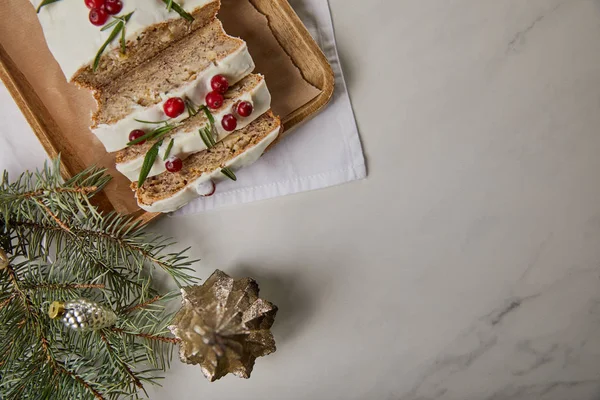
(290,34)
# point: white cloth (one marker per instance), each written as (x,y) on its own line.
(325,151)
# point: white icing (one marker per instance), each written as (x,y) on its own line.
(205,188)
(234,67)
(74,41)
(190,192)
(188,142)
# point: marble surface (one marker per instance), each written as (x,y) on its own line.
(466,267)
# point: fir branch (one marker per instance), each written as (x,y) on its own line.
(120,362)
(142,305)
(62,248)
(64,286)
(148,336)
(53,216)
(61,369)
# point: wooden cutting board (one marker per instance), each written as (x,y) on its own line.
(297,73)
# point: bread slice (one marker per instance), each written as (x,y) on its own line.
(151,28)
(144,46)
(183,70)
(186,137)
(169,191)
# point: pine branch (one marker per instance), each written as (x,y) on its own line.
(120,362)
(62,248)
(148,336)
(142,305)
(64,286)
(59,368)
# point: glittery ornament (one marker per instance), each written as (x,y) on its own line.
(224,326)
(3,259)
(82,315)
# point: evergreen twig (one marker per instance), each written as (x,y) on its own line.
(62,248)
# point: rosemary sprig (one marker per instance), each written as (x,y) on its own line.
(206,134)
(155,134)
(119,27)
(168,151)
(192,108)
(229,173)
(148,162)
(206,137)
(171,5)
(166,121)
(209,115)
(45,3)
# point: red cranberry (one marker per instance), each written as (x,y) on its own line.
(219,83)
(174,164)
(113,7)
(214,189)
(94,3)
(174,107)
(136,134)
(214,100)
(98,16)
(229,122)
(244,109)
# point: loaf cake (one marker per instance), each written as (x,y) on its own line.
(185,136)
(176,98)
(169,191)
(184,71)
(75,40)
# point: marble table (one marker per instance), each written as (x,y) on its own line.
(466,267)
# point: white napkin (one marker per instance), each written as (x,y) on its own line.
(323,152)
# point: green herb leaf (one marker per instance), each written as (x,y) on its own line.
(204,135)
(192,108)
(45,3)
(168,151)
(210,130)
(123,42)
(166,121)
(148,163)
(120,26)
(178,9)
(208,114)
(229,173)
(110,24)
(155,134)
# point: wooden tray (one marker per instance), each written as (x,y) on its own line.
(282,22)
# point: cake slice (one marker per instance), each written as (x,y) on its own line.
(186,138)
(170,191)
(184,71)
(151,28)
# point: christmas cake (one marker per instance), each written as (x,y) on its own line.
(158,90)
(78,33)
(247,100)
(169,191)
(177,100)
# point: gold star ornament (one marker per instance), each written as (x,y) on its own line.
(224,326)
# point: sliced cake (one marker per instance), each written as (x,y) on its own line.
(169,191)
(156,90)
(249,95)
(78,34)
